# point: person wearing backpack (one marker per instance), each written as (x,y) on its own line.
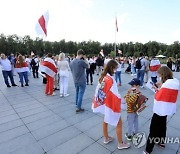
(140,68)
(35,66)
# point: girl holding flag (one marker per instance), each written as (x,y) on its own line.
(164,105)
(107,101)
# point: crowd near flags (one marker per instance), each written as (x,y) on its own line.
(102,52)
(41,26)
(116,25)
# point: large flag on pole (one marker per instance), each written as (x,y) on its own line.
(116,25)
(41,26)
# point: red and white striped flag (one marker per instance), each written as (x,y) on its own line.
(116,25)
(108,103)
(41,26)
(21,68)
(49,67)
(154,65)
(102,52)
(119,51)
(166,97)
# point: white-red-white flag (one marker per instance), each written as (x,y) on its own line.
(32,53)
(119,51)
(102,52)
(116,25)
(41,26)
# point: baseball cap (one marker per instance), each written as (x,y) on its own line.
(134,81)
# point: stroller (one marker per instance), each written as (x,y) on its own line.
(128,69)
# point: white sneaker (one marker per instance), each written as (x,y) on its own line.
(66,95)
(123,146)
(53,94)
(61,95)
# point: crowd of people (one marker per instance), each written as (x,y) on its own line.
(107,100)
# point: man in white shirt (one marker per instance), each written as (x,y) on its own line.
(7,70)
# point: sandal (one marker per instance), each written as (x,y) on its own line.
(161,145)
(108,139)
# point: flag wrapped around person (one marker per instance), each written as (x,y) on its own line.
(48,66)
(107,100)
(166,97)
(21,67)
(154,65)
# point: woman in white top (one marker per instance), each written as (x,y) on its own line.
(63,70)
(118,72)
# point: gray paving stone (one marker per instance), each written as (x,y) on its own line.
(17,143)
(8,118)
(50,129)
(13,133)
(95,148)
(43,122)
(29,107)
(79,117)
(70,148)
(24,104)
(5,108)
(10,125)
(38,116)
(59,138)
(6,113)
(32,112)
(29,149)
(88,123)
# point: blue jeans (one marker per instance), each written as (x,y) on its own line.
(133,71)
(118,76)
(25,75)
(80,89)
(140,76)
(5,75)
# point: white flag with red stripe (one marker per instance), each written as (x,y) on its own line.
(107,100)
(41,26)
(21,67)
(154,65)
(166,97)
(102,52)
(48,66)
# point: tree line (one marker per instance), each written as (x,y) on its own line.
(24,45)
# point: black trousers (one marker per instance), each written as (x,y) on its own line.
(89,72)
(157,132)
(35,71)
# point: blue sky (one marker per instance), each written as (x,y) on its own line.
(83,20)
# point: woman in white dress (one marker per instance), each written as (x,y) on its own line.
(63,70)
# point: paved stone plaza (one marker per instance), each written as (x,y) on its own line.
(33,123)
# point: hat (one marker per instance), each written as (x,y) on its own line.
(134,81)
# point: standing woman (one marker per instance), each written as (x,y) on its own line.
(48,67)
(22,69)
(108,102)
(63,70)
(118,72)
(164,105)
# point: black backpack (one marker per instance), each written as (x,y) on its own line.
(33,63)
(138,64)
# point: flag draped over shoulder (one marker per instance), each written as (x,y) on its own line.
(21,68)
(107,100)
(154,65)
(166,97)
(48,66)
(41,26)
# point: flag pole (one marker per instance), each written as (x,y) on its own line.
(116,28)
